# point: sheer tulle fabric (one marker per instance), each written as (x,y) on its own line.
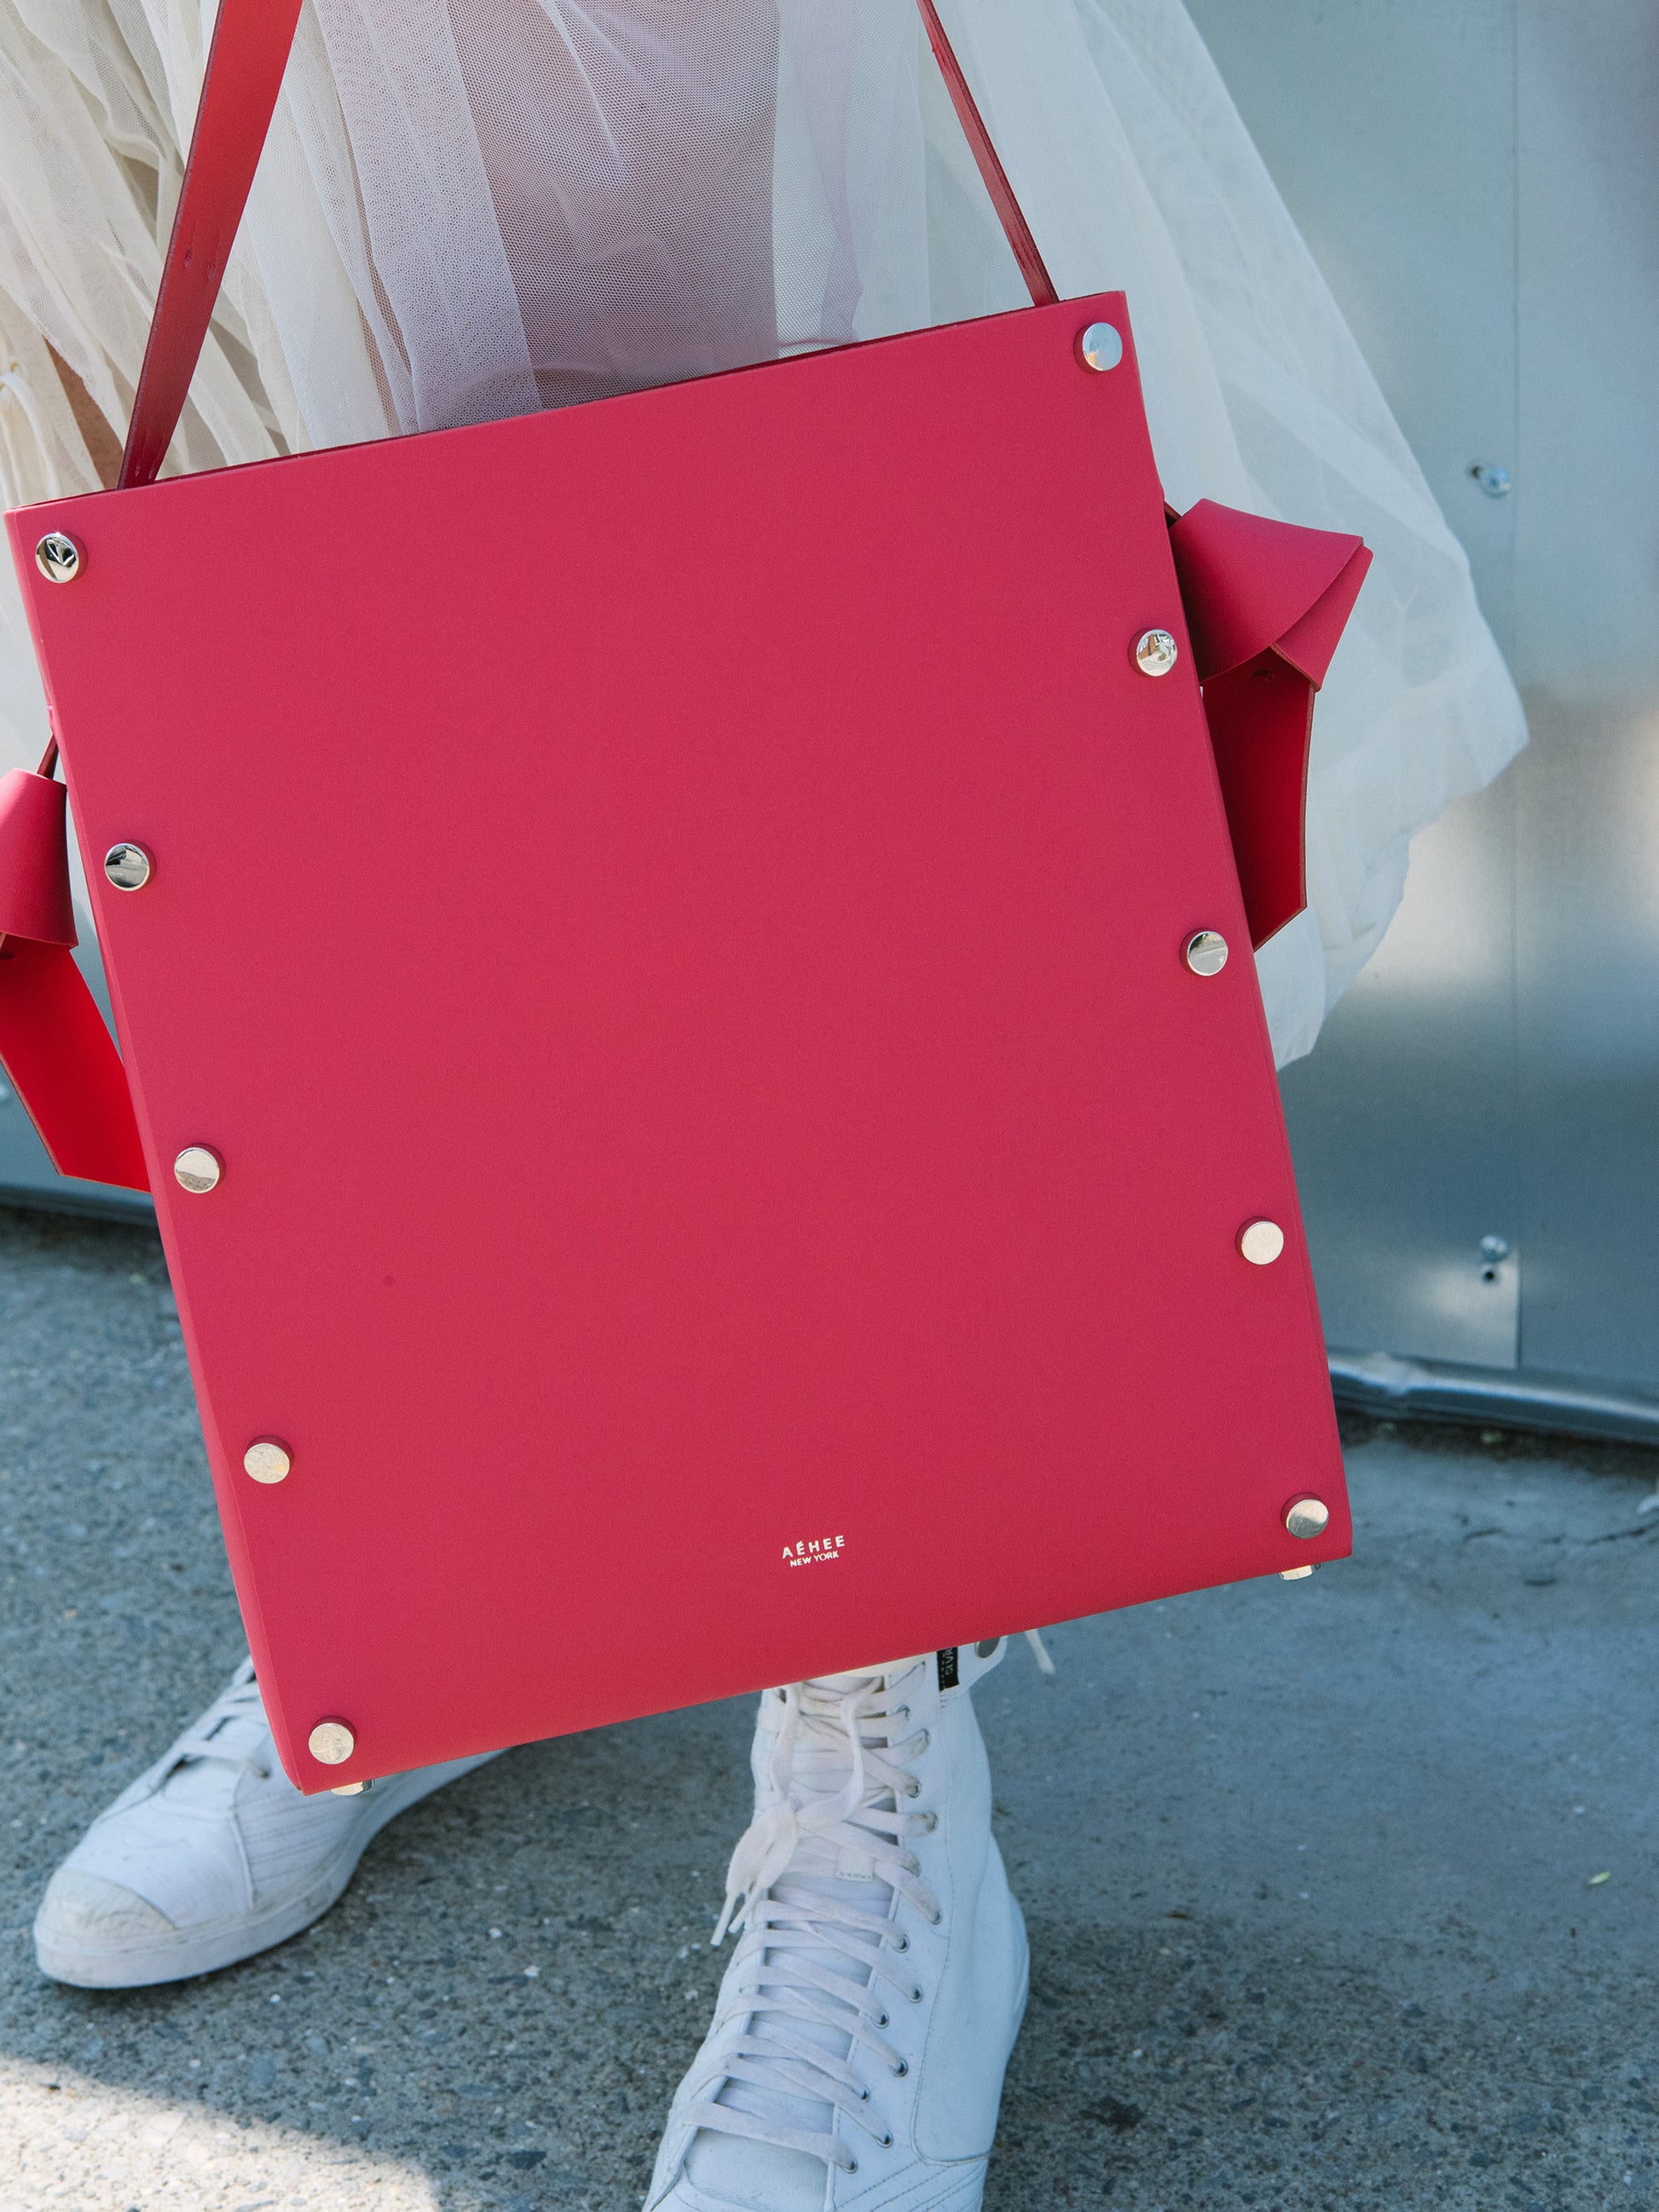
(475,207)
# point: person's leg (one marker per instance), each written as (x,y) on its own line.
(863,2024)
(209,1857)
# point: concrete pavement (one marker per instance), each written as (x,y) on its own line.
(1311,1869)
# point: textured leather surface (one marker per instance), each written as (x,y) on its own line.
(768,1106)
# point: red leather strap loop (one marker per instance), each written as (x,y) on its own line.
(245,61)
(1266,603)
(35,882)
(53,1044)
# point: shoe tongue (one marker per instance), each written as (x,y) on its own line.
(205,1779)
(202,1781)
(755,2177)
(840,1684)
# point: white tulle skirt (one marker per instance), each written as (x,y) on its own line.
(477,208)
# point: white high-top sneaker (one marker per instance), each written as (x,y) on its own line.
(863,2026)
(211,1855)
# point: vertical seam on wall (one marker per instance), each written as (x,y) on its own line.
(1522,1218)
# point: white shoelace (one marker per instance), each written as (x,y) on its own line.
(233,1711)
(805,1997)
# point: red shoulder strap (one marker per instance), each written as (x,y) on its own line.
(1010,213)
(245,65)
(245,61)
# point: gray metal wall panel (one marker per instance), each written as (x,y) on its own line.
(1589,364)
(1479,184)
(1390,130)
(1389,127)
(1587,650)
(1403,1120)
(1589,950)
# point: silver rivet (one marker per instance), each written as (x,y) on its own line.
(128,866)
(1156,653)
(267,1461)
(1308,1518)
(1294,1574)
(1101,346)
(1205,953)
(197,1169)
(58,557)
(1493,479)
(349,1788)
(331,1743)
(1261,1242)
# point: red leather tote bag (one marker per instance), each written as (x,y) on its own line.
(847,1211)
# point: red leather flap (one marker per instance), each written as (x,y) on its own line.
(1266,605)
(1260,721)
(1309,645)
(53,1044)
(34,884)
(64,1066)
(1249,583)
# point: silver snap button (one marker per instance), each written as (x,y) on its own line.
(1156,653)
(197,1169)
(267,1461)
(1308,1518)
(1101,346)
(1261,1242)
(331,1742)
(129,867)
(59,558)
(1205,953)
